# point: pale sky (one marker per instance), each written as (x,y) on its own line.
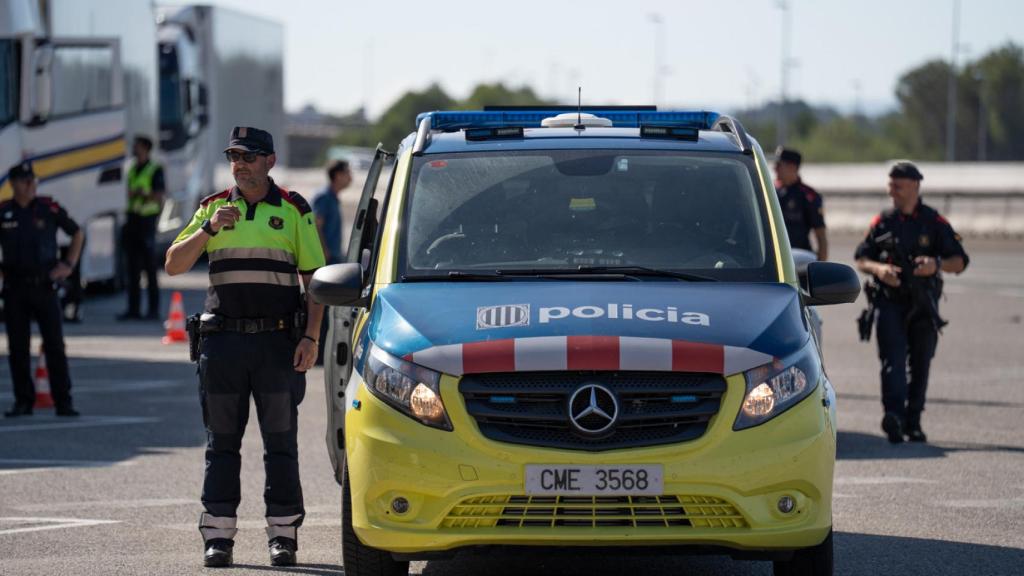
(721,54)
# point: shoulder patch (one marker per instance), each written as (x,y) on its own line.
(215,196)
(876,220)
(49,203)
(295,199)
(940,219)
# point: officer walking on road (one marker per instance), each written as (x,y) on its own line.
(906,250)
(145,201)
(254,339)
(802,207)
(31,272)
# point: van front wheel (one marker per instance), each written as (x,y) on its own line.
(359,559)
(813,561)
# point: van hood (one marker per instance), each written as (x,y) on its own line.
(467,327)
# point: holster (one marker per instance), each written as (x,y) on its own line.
(866,320)
(194,337)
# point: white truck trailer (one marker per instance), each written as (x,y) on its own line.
(78,80)
(219,68)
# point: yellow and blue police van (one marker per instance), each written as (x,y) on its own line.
(578,328)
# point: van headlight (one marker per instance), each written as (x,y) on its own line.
(409,388)
(776,387)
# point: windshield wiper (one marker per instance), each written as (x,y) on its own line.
(454,275)
(644,271)
(514,274)
(578,273)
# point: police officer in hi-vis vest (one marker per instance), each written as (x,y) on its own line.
(145,201)
(257,337)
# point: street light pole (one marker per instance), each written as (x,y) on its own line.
(659,48)
(780,121)
(951,99)
(982,118)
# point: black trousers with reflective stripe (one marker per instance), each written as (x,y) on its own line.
(232,367)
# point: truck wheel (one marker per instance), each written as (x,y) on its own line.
(359,559)
(813,561)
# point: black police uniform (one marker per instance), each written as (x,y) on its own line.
(802,211)
(907,316)
(28,237)
(254,316)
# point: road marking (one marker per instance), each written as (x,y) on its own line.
(52,524)
(109,504)
(261,524)
(51,465)
(106,386)
(993,503)
(59,423)
(875,480)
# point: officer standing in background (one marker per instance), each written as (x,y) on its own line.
(327,207)
(802,207)
(906,249)
(145,201)
(254,339)
(31,271)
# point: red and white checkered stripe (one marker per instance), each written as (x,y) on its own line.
(587,353)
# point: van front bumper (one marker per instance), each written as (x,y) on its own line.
(463,490)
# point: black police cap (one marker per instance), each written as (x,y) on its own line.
(904,169)
(21,170)
(249,139)
(788,155)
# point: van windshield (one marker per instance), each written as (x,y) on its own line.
(563,210)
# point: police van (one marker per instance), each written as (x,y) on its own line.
(578,328)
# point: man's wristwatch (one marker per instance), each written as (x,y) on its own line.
(208,228)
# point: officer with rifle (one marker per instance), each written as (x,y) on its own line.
(906,250)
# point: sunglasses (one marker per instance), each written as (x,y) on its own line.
(248,157)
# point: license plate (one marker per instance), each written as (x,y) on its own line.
(568,480)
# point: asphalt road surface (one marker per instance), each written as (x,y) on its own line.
(117,490)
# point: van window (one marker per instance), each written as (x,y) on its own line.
(82,79)
(561,209)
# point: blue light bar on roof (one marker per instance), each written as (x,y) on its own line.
(450,121)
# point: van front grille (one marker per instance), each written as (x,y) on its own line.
(508,511)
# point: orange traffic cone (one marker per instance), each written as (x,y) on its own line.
(175,324)
(42,381)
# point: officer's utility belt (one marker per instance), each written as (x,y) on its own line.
(32,279)
(212,323)
(199,325)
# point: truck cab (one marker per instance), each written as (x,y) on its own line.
(578,328)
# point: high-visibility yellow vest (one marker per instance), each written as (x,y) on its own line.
(142,181)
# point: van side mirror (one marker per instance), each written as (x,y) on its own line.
(831,283)
(41,102)
(339,285)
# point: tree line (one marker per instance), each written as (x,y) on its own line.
(989,116)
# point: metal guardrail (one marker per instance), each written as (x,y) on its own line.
(983,212)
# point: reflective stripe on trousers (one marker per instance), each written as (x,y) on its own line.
(217,527)
(286,526)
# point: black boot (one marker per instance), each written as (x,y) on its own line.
(913,430)
(893,427)
(218,553)
(19,409)
(282,551)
